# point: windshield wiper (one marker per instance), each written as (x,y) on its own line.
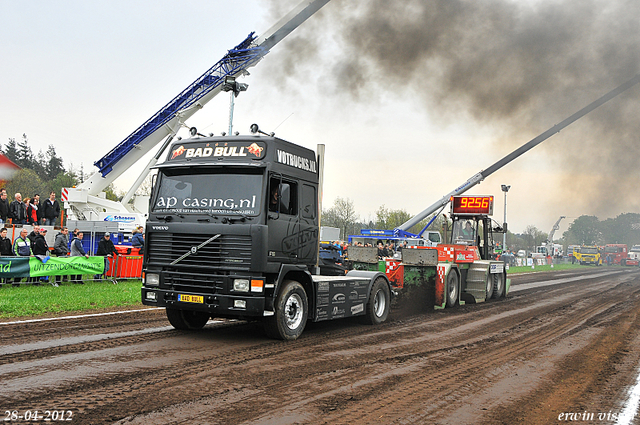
(168,218)
(215,217)
(243,217)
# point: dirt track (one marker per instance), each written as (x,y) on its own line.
(559,343)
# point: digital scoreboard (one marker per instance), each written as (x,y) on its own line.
(472,205)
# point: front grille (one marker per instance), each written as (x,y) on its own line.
(227,253)
(193,282)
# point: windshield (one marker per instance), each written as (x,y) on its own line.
(589,250)
(612,249)
(208,192)
(463,232)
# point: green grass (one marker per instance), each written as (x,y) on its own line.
(546,268)
(27,300)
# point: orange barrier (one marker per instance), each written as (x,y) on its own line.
(128,250)
(125,267)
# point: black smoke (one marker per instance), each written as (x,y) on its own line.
(521,66)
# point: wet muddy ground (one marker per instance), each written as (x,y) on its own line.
(561,343)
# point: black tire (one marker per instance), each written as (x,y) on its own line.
(488,286)
(187,320)
(623,262)
(291,312)
(498,285)
(453,289)
(379,302)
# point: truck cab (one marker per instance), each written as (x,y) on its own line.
(233,231)
(618,254)
(589,254)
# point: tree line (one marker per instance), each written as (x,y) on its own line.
(584,230)
(343,216)
(41,173)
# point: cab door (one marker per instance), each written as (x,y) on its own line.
(282,220)
(308,222)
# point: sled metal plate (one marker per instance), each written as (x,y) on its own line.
(420,257)
(363,254)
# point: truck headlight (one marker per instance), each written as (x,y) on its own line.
(241,285)
(152,279)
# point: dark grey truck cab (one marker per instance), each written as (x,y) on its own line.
(233,233)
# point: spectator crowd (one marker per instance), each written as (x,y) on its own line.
(30,211)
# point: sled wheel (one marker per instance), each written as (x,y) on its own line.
(489,287)
(498,285)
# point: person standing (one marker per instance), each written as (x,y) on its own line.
(22,245)
(4,205)
(77,250)
(50,210)
(39,214)
(108,251)
(61,247)
(5,249)
(61,244)
(32,212)
(22,248)
(18,210)
(41,248)
(137,241)
(34,233)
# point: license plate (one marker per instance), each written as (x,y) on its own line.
(190,298)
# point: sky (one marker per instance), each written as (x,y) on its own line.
(410,98)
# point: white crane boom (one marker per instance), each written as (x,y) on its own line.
(402,230)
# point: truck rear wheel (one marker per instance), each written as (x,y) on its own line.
(379,302)
(291,311)
(489,286)
(498,285)
(184,319)
(453,287)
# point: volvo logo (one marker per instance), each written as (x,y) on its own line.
(194,249)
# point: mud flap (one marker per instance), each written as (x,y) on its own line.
(441,287)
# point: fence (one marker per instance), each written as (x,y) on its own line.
(38,269)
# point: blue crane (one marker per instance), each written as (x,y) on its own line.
(84,201)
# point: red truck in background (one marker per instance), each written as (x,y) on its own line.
(617,253)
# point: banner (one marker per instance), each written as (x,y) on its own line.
(54,266)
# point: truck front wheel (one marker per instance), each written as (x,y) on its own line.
(291,311)
(379,302)
(184,319)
